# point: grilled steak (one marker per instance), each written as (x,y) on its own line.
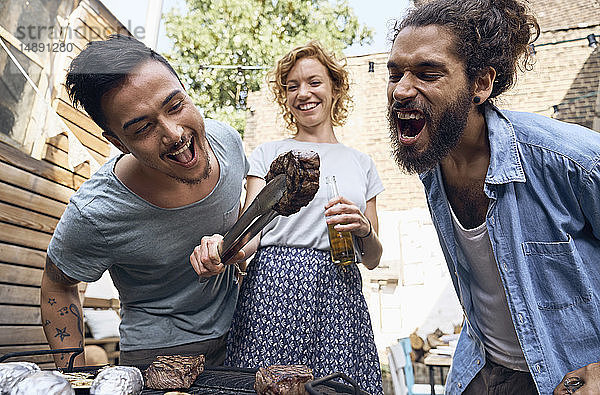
(173,371)
(282,380)
(302,179)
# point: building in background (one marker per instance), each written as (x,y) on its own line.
(411,290)
(565,80)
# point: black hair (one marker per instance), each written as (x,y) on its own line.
(102,66)
(494,33)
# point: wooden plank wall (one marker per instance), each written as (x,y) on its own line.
(90,28)
(33,195)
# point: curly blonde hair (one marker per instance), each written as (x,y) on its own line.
(342,102)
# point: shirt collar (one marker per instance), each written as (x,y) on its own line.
(505,161)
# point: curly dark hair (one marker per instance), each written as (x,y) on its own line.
(494,33)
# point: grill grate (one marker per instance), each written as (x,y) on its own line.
(219,380)
(223,380)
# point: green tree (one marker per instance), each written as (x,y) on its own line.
(251,34)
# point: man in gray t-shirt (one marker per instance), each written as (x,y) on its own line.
(143,213)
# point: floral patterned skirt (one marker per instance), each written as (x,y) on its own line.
(296,307)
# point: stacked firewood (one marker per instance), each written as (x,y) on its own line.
(420,346)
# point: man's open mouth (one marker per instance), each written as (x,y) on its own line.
(184,155)
(410,124)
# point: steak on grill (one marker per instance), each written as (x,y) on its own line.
(302,179)
(282,380)
(173,371)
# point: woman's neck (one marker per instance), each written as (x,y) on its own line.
(319,134)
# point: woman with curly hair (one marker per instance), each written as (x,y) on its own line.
(295,305)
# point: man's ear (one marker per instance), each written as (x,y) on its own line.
(114,140)
(484,84)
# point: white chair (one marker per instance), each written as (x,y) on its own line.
(403,378)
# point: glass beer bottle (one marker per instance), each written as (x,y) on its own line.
(341,243)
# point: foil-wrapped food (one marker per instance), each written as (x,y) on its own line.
(13,372)
(43,383)
(118,380)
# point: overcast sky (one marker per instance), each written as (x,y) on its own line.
(377,14)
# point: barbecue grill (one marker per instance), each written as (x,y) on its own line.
(218,380)
(214,380)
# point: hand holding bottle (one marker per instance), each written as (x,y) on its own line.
(340,213)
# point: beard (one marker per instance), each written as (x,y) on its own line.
(203,162)
(444,131)
(202,157)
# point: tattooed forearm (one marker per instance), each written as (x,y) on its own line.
(61,313)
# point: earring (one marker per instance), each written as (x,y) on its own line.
(476,99)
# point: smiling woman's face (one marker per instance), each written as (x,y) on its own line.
(154,119)
(309,94)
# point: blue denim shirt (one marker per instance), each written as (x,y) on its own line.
(543,220)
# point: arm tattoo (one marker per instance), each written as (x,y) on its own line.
(62,333)
(75,312)
(56,275)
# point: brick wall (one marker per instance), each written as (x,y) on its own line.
(565,74)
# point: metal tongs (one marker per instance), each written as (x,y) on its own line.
(255,218)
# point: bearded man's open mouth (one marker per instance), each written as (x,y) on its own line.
(410,124)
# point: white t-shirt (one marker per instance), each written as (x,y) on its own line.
(489,300)
(357,180)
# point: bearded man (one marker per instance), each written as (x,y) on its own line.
(514,198)
(143,213)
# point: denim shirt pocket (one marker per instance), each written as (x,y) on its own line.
(557,268)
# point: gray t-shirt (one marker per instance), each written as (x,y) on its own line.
(146,249)
(357,180)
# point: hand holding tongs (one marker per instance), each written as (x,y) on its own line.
(254,219)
